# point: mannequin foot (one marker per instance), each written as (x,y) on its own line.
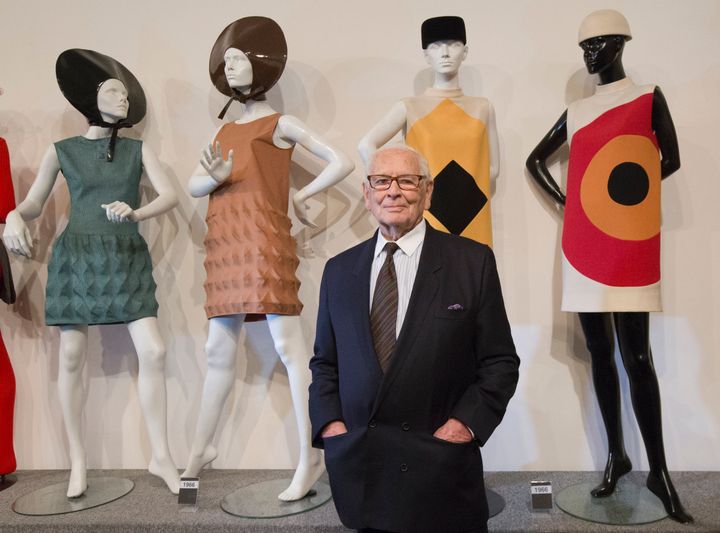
(78,480)
(661,486)
(615,468)
(167,471)
(198,462)
(307,473)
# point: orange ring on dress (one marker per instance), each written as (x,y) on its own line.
(627,222)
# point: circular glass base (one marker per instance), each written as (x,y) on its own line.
(496,503)
(53,500)
(260,500)
(7,481)
(629,504)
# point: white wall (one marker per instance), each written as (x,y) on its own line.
(349,62)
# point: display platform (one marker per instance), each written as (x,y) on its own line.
(260,500)
(53,500)
(496,503)
(151,508)
(631,504)
(7,481)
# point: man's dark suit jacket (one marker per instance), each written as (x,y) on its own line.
(454,357)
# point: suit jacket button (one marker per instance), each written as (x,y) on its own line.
(403,467)
(372,424)
(405,426)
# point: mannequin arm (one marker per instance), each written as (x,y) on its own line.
(201,183)
(493,144)
(536,163)
(382,132)
(166,197)
(31,207)
(17,236)
(292,131)
(664,128)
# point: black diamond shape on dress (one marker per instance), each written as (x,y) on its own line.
(456,198)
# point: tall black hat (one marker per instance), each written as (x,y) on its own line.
(263,42)
(80,73)
(443,28)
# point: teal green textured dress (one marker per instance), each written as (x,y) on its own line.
(100,272)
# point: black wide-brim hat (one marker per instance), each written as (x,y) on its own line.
(441,29)
(263,42)
(81,72)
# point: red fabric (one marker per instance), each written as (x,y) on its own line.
(7,409)
(7,377)
(594,253)
(7,195)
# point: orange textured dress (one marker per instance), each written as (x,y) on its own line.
(251,258)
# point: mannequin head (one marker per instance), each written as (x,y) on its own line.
(112,101)
(238,70)
(446,56)
(602,37)
(248,57)
(100,87)
(602,53)
(445,46)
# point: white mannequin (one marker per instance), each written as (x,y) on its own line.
(445,58)
(286,331)
(113,106)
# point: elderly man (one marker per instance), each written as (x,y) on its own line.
(414,364)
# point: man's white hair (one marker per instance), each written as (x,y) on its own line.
(402,147)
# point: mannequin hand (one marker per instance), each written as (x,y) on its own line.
(212,161)
(119,212)
(17,236)
(301,209)
(333,429)
(454,431)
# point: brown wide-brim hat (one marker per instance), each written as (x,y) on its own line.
(263,42)
(81,72)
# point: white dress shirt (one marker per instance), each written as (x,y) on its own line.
(406,260)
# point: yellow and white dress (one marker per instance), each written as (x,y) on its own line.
(450,130)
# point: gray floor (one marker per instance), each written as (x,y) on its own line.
(151,508)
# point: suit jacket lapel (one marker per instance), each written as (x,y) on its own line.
(421,301)
(361,314)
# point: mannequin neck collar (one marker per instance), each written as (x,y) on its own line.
(615,86)
(446,93)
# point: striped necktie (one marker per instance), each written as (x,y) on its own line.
(383,316)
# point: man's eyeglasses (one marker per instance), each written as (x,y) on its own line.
(406,182)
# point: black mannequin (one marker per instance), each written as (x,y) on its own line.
(603,56)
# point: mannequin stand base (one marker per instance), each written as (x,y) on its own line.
(630,504)
(53,500)
(260,500)
(7,481)
(496,503)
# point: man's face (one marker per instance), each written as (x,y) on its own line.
(396,210)
(446,56)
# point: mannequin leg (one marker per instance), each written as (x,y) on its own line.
(152,390)
(633,336)
(290,344)
(601,343)
(221,349)
(7,411)
(73,348)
